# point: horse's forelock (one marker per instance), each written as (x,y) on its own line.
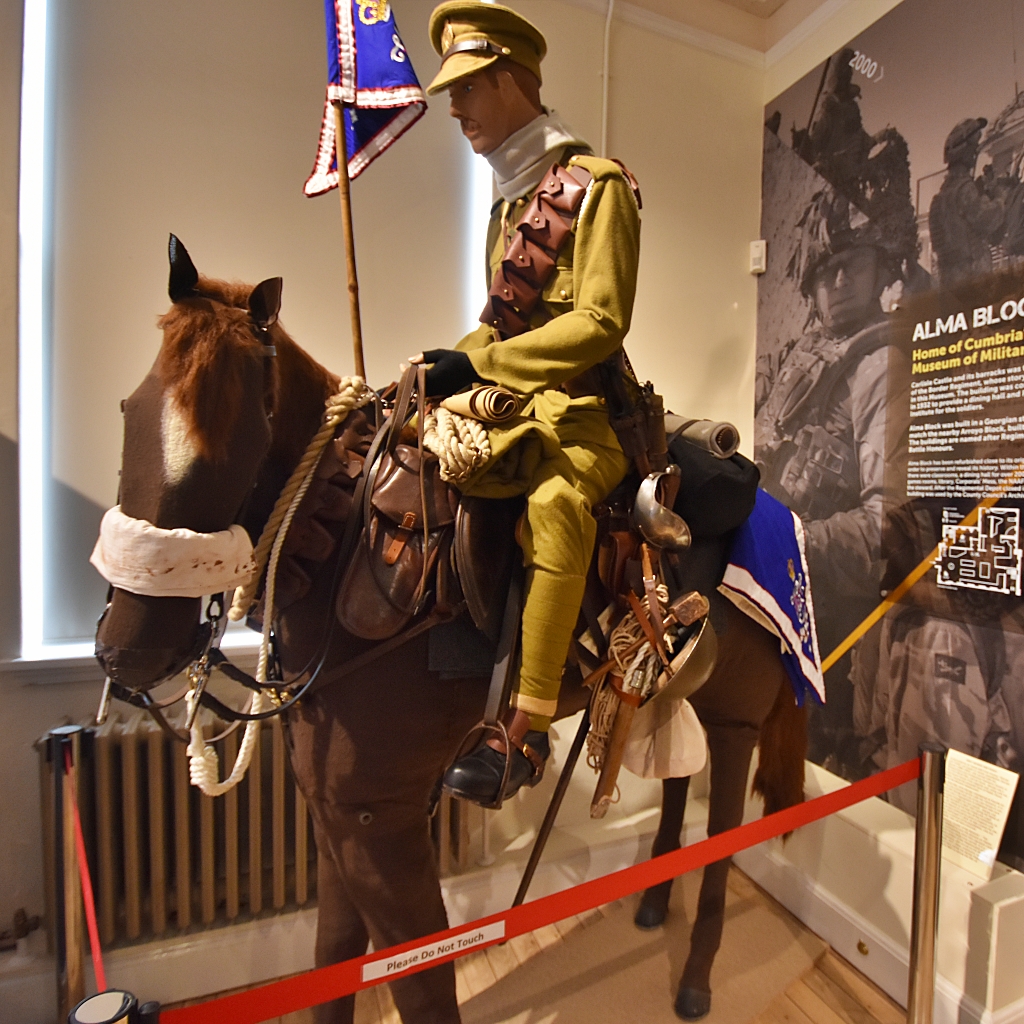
(202,359)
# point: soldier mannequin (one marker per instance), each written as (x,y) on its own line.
(561,453)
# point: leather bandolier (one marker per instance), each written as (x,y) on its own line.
(529,259)
(636,414)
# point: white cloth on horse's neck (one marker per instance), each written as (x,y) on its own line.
(137,556)
(526,155)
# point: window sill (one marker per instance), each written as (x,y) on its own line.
(75,663)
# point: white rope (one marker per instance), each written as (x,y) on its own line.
(461,444)
(204,764)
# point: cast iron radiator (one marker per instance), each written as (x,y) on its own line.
(165,859)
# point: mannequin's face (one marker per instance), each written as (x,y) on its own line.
(847,290)
(490,107)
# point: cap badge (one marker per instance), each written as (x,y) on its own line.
(447,36)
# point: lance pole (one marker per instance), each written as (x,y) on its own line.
(345,195)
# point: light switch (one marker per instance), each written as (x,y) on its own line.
(758,256)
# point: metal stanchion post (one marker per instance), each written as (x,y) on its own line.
(927,863)
(68,924)
(486,858)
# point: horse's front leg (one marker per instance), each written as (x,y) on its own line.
(387,865)
(730,748)
(340,932)
(654,903)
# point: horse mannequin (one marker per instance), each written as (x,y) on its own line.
(226,424)
(210,437)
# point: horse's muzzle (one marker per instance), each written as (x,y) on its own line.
(137,669)
(141,641)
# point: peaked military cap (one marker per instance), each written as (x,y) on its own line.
(470,35)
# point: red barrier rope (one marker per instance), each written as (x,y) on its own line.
(87,896)
(326,983)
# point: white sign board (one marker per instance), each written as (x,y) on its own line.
(389,965)
(975,808)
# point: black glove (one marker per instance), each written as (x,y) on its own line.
(452,371)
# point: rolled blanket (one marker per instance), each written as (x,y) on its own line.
(139,557)
(488,404)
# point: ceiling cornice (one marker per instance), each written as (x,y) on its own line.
(792,39)
(669,28)
(702,39)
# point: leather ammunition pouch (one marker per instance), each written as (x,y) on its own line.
(529,260)
(403,556)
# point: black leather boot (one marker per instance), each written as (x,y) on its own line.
(477,776)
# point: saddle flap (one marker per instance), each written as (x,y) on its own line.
(396,492)
(485,554)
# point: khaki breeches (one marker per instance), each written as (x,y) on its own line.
(563,455)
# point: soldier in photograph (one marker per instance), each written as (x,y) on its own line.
(821,410)
(965,219)
(943,669)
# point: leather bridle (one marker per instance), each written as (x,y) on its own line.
(205,656)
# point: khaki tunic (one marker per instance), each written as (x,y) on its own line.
(561,453)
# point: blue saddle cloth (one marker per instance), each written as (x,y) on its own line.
(767,578)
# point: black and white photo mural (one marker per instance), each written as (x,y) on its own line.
(890,380)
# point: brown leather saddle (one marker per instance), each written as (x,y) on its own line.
(422,548)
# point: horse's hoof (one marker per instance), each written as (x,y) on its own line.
(692,1005)
(651,913)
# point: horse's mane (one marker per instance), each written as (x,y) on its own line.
(208,340)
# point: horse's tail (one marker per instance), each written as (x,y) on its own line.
(782,747)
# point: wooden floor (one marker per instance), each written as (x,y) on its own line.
(831,992)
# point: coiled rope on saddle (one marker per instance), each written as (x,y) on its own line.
(461,444)
(639,668)
(204,763)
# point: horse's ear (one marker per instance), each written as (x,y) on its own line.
(265,302)
(184,276)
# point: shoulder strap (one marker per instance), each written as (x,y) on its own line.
(819,393)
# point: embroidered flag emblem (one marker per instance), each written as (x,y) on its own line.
(369,71)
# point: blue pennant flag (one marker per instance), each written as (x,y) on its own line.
(370,73)
(767,578)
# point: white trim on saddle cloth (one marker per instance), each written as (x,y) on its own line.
(137,556)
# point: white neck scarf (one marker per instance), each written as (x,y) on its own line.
(526,155)
(137,556)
